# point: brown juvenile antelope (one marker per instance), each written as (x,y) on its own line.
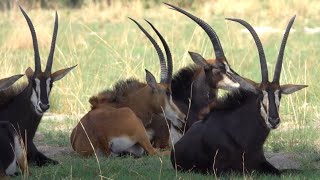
(26,108)
(117,125)
(11,149)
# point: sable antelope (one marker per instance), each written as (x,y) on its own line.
(116,122)
(155,124)
(11,149)
(201,83)
(231,137)
(25,109)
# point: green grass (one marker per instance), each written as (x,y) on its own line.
(107,47)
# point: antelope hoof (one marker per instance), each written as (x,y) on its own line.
(42,160)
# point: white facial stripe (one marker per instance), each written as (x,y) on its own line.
(227,84)
(277,98)
(48,86)
(37,87)
(171,112)
(264,109)
(35,97)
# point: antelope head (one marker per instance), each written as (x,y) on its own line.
(41,82)
(218,72)
(162,95)
(270,92)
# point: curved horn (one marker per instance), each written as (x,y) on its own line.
(35,42)
(277,70)
(164,71)
(262,57)
(53,45)
(207,28)
(168,53)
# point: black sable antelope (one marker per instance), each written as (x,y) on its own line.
(205,79)
(231,137)
(25,109)
(11,148)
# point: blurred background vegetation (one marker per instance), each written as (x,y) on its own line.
(8,4)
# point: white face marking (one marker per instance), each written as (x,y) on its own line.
(34,101)
(227,84)
(277,98)
(172,112)
(264,108)
(48,86)
(36,94)
(175,136)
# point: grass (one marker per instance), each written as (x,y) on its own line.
(107,47)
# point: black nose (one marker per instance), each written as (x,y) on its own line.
(274,121)
(44,107)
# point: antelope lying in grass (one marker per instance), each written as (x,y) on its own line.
(200,83)
(117,120)
(25,108)
(231,137)
(11,148)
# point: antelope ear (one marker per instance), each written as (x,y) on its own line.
(291,88)
(151,81)
(61,73)
(7,82)
(29,73)
(198,59)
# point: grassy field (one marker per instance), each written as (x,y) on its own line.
(107,47)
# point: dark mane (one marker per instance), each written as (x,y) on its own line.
(181,82)
(118,93)
(233,99)
(8,94)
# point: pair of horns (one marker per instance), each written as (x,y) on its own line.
(35,44)
(263,63)
(207,28)
(166,70)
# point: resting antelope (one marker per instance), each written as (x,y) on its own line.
(26,108)
(231,137)
(204,79)
(116,122)
(11,149)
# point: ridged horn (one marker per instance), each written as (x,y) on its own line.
(164,71)
(277,70)
(168,53)
(262,57)
(35,42)
(53,45)
(207,28)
